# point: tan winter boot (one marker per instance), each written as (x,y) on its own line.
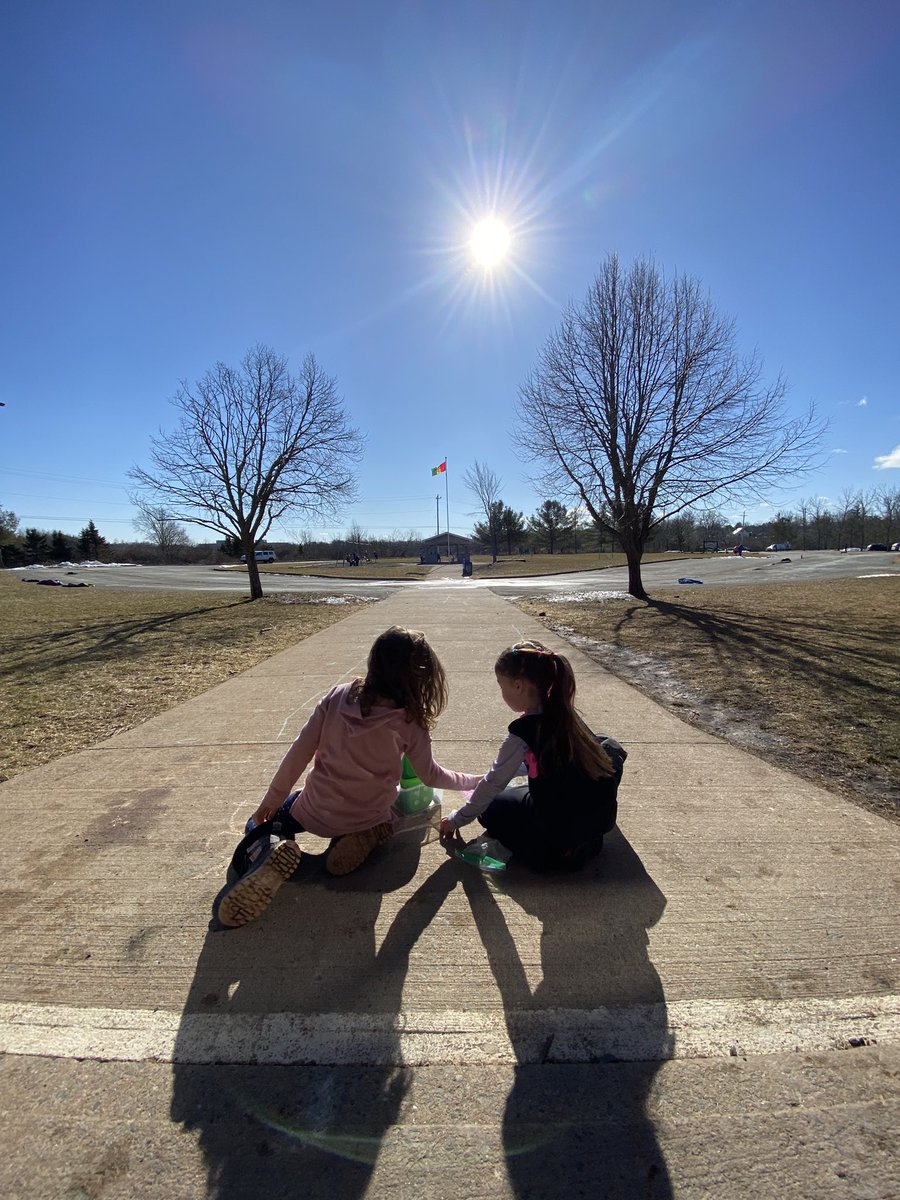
(252,895)
(352,850)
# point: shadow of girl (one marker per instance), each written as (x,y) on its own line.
(576,1121)
(293,1120)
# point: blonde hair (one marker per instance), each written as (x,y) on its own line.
(402,667)
(565,736)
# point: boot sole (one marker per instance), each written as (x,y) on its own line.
(354,848)
(252,895)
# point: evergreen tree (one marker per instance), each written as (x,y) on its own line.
(9,523)
(60,545)
(90,541)
(34,545)
(490,531)
(512,526)
(551,526)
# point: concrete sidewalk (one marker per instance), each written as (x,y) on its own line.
(710,1010)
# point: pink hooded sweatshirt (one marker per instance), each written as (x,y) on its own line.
(353,782)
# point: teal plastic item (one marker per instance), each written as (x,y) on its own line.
(486,853)
(483,861)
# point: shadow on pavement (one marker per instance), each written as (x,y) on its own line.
(312,1130)
(315,1131)
(581,1129)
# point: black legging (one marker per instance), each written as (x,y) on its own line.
(511,818)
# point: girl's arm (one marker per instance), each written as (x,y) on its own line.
(431,773)
(507,764)
(294,762)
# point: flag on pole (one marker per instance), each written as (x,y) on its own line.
(440,468)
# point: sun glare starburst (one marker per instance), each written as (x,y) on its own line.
(489,242)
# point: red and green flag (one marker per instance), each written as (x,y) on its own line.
(440,468)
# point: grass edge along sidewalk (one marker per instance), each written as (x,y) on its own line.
(806,675)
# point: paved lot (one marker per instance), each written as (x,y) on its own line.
(711,1010)
(724,569)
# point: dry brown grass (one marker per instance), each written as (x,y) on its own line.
(816,664)
(80,665)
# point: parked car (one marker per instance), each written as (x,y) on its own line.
(877,546)
(895,545)
(261,556)
(779,546)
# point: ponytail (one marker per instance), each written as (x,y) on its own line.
(566,738)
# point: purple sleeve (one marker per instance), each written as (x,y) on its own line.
(507,764)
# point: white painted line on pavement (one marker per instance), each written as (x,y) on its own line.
(650,1032)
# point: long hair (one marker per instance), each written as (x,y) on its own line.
(402,667)
(565,736)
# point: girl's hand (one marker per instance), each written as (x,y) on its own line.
(265,812)
(451,838)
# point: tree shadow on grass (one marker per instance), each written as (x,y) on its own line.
(106,639)
(828,658)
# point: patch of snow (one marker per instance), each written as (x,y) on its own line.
(584,597)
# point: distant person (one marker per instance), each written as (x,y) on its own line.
(557,821)
(467,567)
(355,739)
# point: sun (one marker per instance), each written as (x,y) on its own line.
(489,242)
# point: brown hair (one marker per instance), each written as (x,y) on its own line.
(565,736)
(402,667)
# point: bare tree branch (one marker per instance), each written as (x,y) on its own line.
(640,407)
(253,445)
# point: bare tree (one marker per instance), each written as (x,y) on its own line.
(640,407)
(485,485)
(253,445)
(887,500)
(154,522)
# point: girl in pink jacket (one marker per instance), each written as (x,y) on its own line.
(355,739)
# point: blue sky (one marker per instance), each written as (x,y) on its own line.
(183,180)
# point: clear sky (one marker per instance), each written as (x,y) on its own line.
(185,178)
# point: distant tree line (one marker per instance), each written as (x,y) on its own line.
(857,518)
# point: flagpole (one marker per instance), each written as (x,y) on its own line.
(447,502)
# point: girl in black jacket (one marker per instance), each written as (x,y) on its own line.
(558,820)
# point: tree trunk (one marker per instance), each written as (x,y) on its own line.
(253,575)
(635,584)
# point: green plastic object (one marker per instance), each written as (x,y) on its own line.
(413,799)
(483,861)
(413,796)
(408,777)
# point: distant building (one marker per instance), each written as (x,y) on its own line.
(435,549)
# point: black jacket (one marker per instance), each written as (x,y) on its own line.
(578,807)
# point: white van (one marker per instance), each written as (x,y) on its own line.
(261,556)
